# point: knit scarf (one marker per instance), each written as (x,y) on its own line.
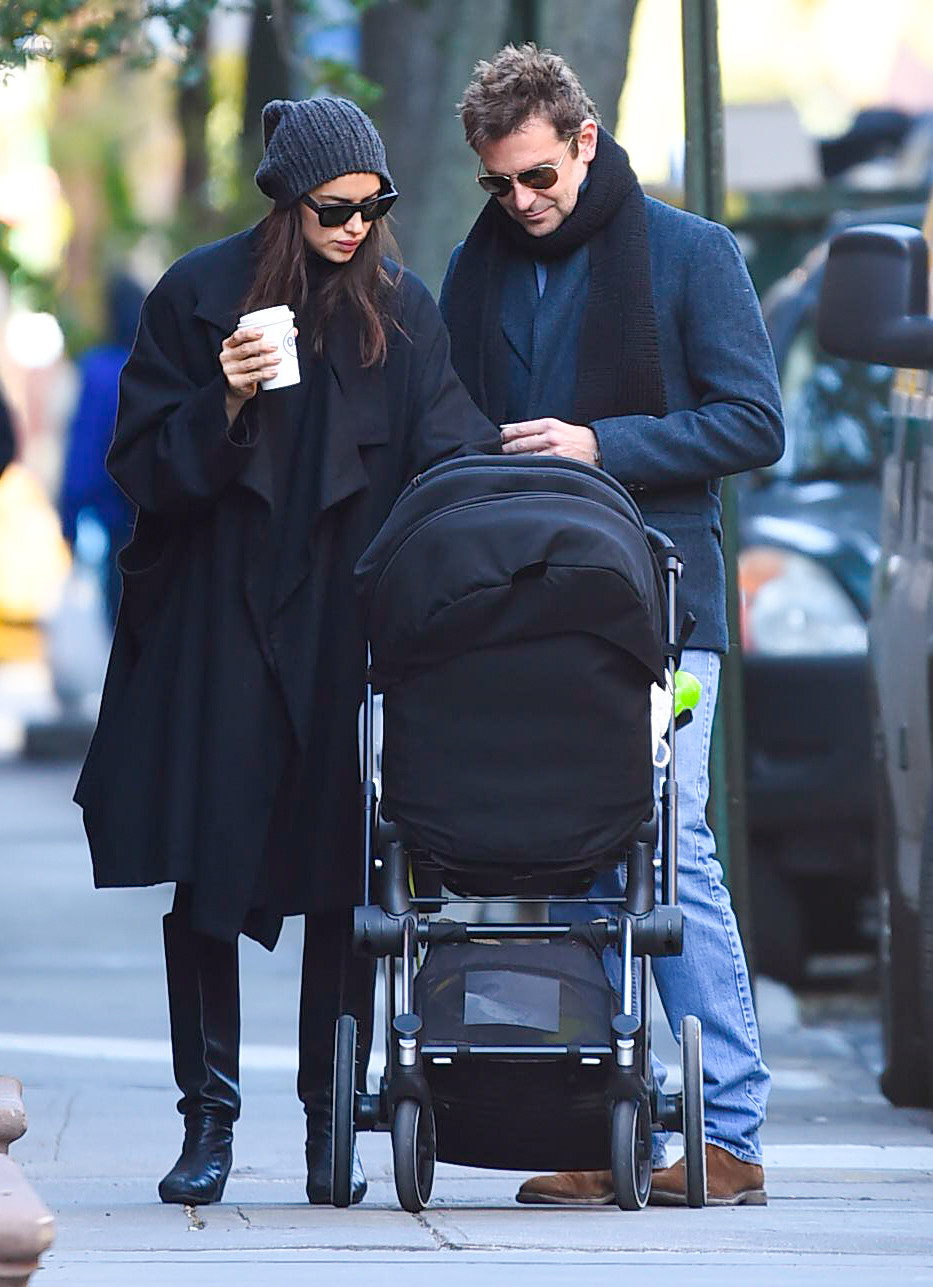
(618,362)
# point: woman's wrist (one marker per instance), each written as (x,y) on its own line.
(233,404)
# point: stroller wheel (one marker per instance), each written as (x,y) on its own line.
(344,1133)
(414,1145)
(630,1151)
(694,1122)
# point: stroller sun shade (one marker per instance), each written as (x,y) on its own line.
(514,616)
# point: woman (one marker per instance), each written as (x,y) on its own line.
(225,758)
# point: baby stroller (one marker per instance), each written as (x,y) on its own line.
(519,613)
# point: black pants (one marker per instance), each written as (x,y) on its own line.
(334,981)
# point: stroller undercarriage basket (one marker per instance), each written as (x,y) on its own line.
(519,996)
(517,618)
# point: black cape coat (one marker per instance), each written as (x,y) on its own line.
(214,688)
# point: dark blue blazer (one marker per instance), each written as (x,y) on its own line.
(724,403)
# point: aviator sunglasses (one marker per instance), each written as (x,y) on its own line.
(539,177)
(334,216)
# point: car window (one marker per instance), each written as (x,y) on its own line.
(834,413)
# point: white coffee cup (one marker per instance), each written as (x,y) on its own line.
(277,324)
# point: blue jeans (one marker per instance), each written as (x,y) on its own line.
(710,978)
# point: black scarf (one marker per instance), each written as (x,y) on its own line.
(618,362)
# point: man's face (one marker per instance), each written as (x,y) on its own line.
(538,143)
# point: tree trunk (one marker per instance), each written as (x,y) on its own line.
(268,74)
(422,53)
(597,48)
(193,106)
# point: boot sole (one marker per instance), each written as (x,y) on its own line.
(748,1198)
(542,1200)
(188,1200)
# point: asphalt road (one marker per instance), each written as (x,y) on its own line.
(83,1024)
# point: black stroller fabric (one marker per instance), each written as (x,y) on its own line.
(515,621)
(517,994)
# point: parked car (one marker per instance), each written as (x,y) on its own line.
(808,533)
(875,307)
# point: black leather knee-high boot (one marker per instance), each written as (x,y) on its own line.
(334,981)
(204,1008)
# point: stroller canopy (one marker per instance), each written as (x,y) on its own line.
(483,550)
(514,610)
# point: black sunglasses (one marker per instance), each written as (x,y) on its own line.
(335,216)
(539,177)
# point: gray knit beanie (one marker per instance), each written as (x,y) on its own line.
(313,140)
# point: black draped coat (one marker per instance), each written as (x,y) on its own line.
(226,672)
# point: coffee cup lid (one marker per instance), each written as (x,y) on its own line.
(266,316)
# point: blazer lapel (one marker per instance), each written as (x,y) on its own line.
(556,326)
(519,305)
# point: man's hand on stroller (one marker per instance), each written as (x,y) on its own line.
(550,437)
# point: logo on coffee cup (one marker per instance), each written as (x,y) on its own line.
(289,343)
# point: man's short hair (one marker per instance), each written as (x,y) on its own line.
(519,83)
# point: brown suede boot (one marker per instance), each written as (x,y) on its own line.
(568,1189)
(729,1182)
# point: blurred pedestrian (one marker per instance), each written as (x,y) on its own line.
(86,485)
(226,756)
(7,441)
(595,323)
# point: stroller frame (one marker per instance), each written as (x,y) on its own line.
(398,924)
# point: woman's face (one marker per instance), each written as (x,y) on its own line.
(339,244)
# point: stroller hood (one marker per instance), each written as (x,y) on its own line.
(484,550)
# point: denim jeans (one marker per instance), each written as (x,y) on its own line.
(710,978)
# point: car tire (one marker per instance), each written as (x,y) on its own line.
(903,1078)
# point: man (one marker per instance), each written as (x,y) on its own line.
(594,323)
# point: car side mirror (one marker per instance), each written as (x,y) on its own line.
(873,299)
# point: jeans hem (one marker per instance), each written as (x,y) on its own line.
(743,1155)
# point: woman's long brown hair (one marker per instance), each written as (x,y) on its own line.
(281,275)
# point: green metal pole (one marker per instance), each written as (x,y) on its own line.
(703,168)
(704,191)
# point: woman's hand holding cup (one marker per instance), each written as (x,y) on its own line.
(248,358)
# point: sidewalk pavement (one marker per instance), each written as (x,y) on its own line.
(83,1024)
